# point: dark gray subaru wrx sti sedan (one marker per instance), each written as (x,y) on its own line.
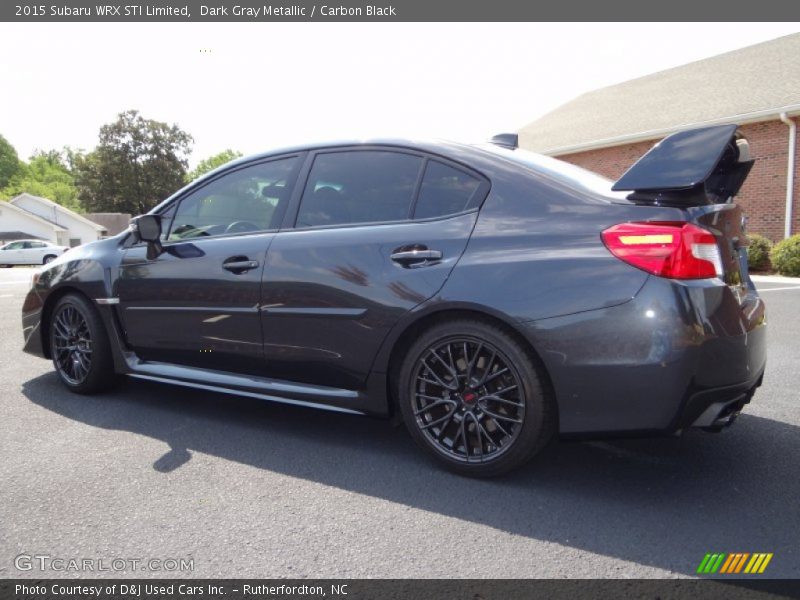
(491,297)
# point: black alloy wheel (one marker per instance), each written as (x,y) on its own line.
(72,344)
(466,399)
(473,397)
(79,346)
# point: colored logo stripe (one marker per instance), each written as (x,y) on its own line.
(710,563)
(758,563)
(734,563)
(727,564)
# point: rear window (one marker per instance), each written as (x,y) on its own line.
(559,170)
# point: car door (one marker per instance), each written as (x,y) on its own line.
(34,252)
(197,304)
(27,255)
(12,253)
(373,233)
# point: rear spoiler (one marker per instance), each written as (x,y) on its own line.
(688,168)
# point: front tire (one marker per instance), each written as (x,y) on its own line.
(473,397)
(79,346)
(48,259)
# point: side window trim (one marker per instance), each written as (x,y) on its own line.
(413,207)
(290,216)
(280,209)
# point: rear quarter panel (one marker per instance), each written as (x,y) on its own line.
(536,250)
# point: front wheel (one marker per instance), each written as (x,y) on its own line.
(474,398)
(79,346)
(48,259)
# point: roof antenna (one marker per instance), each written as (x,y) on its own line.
(506,140)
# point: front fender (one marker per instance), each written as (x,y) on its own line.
(88,270)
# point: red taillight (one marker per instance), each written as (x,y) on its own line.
(674,250)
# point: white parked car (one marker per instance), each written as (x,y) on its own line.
(29,252)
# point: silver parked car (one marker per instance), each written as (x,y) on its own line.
(29,252)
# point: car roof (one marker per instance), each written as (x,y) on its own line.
(445,148)
(419,144)
(456,151)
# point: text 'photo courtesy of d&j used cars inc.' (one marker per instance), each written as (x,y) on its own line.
(439,299)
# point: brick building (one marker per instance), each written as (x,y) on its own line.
(757,87)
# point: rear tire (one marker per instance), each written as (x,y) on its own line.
(79,346)
(474,399)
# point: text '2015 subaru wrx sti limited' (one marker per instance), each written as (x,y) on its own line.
(492,297)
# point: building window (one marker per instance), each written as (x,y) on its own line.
(74,242)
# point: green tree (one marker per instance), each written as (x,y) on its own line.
(9,162)
(137,163)
(46,175)
(212,162)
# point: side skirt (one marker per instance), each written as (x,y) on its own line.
(270,398)
(340,400)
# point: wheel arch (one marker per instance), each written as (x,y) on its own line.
(391,356)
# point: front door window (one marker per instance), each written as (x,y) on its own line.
(243,201)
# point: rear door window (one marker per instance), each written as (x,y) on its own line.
(445,191)
(359,186)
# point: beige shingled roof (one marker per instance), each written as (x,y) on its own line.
(739,86)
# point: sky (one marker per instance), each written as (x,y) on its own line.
(256,86)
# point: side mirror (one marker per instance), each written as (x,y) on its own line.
(147,228)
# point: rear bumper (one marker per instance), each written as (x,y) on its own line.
(657,363)
(718,407)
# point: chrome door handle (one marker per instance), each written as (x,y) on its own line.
(416,258)
(239,266)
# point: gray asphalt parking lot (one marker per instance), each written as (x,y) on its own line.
(252,489)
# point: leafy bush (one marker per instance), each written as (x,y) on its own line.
(785,256)
(758,252)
